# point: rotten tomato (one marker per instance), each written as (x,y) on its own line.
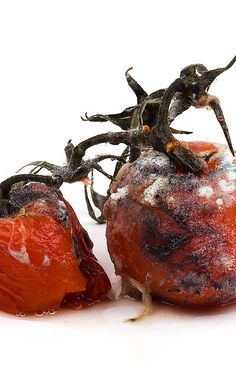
(46,257)
(172,235)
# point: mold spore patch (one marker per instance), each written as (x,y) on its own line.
(151,192)
(120,193)
(152,164)
(206,191)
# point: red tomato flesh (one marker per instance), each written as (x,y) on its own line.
(42,249)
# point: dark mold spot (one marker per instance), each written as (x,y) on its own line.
(63,216)
(76,248)
(166,247)
(195,282)
(151,168)
(158,241)
(228,284)
(188,181)
(197,259)
(20,197)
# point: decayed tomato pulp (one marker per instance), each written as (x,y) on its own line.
(46,257)
(174,233)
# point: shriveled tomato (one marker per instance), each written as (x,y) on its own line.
(45,255)
(97,282)
(174,234)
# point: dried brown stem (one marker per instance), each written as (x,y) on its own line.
(5,186)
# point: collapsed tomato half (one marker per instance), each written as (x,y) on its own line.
(46,256)
(174,233)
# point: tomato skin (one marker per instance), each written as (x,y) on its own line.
(41,250)
(97,282)
(176,233)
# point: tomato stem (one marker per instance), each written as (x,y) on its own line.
(134,137)
(145,125)
(161,136)
(221,119)
(5,186)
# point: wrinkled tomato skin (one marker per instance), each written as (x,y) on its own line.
(97,282)
(173,233)
(42,249)
(37,264)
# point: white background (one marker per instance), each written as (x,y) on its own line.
(59,59)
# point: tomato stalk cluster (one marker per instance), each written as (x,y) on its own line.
(145,125)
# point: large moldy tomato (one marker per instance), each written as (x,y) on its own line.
(173,233)
(46,256)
